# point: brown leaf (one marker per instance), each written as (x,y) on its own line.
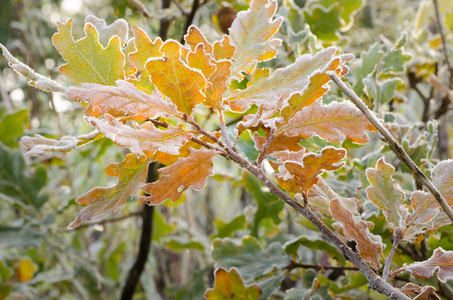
(441,262)
(122,100)
(370,246)
(145,140)
(334,123)
(102,201)
(183,85)
(299,176)
(187,172)
(420,293)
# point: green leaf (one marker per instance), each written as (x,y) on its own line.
(381,92)
(178,244)
(5,272)
(249,257)
(324,21)
(369,62)
(12,127)
(313,243)
(395,61)
(161,228)
(19,236)
(228,229)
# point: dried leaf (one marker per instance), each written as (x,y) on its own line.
(420,293)
(194,37)
(102,201)
(251,33)
(334,123)
(387,194)
(87,60)
(370,246)
(145,140)
(118,28)
(42,146)
(441,262)
(123,100)
(300,176)
(183,85)
(187,172)
(37,80)
(424,206)
(201,60)
(223,49)
(229,285)
(218,84)
(282,83)
(146,49)
(278,144)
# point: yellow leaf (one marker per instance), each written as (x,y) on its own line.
(26,270)
(223,49)
(201,60)
(183,85)
(87,60)
(218,84)
(229,285)
(194,37)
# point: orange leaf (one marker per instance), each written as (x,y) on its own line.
(194,37)
(102,201)
(223,49)
(370,246)
(218,84)
(123,100)
(282,83)
(441,262)
(299,176)
(201,60)
(146,49)
(334,123)
(144,140)
(279,143)
(183,85)
(251,33)
(87,60)
(175,179)
(26,270)
(229,285)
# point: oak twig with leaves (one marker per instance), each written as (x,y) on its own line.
(146,95)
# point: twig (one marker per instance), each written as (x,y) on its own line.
(262,154)
(294,265)
(102,222)
(388,261)
(399,151)
(442,37)
(183,12)
(190,17)
(224,131)
(145,240)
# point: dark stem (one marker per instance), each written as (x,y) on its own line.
(165,23)
(293,265)
(190,17)
(442,37)
(145,240)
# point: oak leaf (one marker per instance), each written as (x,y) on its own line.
(282,83)
(194,37)
(103,201)
(106,32)
(183,85)
(441,262)
(87,60)
(201,60)
(420,293)
(300,176)
(145,140)
(370,246)
(386,194)
(218,84)
(223,49)
(251,34)
(187,172)
(334,123)
(229,285)
(122,100)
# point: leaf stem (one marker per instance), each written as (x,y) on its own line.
(388,261)
(396,147)
(102,222)
(293,265)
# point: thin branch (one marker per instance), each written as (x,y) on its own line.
(262,154)
(181,9)
(442,37)
(223,129)
(293,265)
(102,222)
(388,261)
(190,17)
(399,151)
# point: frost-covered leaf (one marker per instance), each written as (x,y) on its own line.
(37,80)
(282,83)
(229,285)
(249,257)
(424,206)
(223,49)
(145,49)
(334,123)
(106,32)
(441,262)
(144,140)
(251,34)
(122,100)
(201,60)
(313,243)
(386,193)
(103,201)
(420,293)
(42,146)
(300,176)
(370,246)
(194,37)
(228,229)
(368,63)
(187,172)
(218,84)
(183,85)
(87,60)
(381,92)
(395,61)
